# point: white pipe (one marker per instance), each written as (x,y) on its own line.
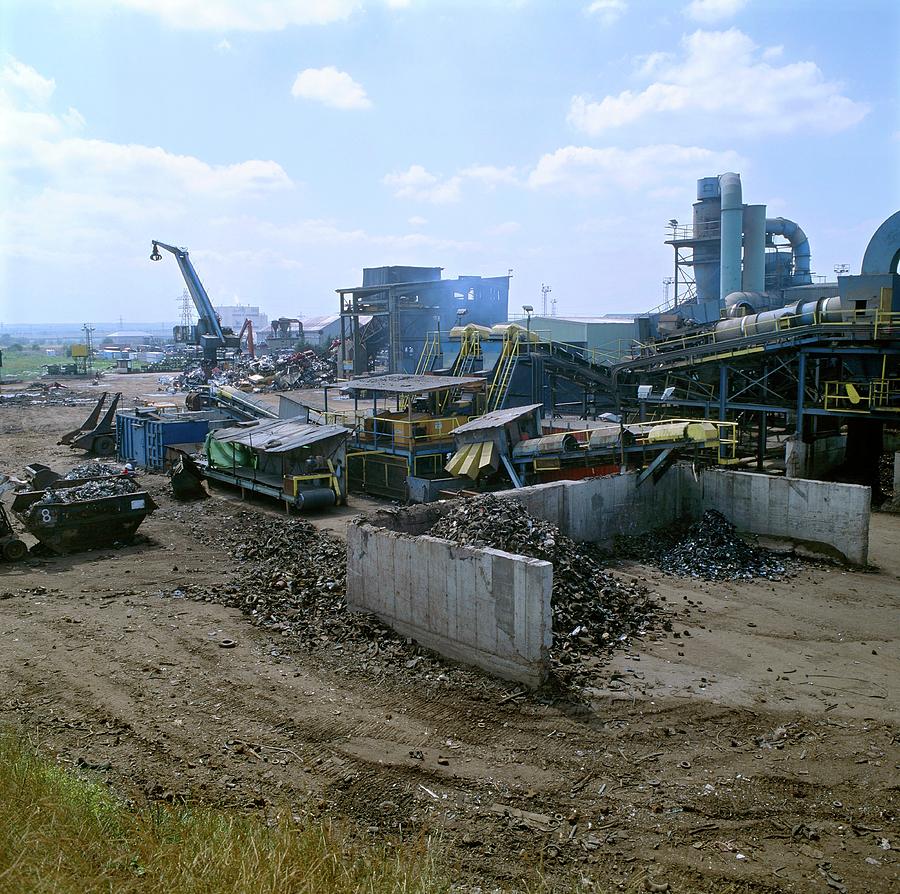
(732,219)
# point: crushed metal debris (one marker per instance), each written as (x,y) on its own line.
(594,611)
(709,549)
(93,470)
(281,372)
(90,490)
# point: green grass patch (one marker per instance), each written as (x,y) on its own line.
(62,832)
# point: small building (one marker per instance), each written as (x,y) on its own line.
(399,449)
(610,334)
(233,315)
(301,464)
(322,331)
(128,338)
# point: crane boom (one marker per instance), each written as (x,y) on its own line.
(208,324)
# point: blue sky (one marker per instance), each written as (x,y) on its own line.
(289,144)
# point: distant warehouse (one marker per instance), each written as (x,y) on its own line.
(610,333)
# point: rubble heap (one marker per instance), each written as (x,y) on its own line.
(593,611)
(90,490)
(292,579)
(709,549)
(280,372)
(92,470)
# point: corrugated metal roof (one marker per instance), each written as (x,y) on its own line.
(497,418)
(397,383)
(280,435)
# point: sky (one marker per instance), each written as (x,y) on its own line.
(290,143)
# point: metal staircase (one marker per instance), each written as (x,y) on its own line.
(503,371)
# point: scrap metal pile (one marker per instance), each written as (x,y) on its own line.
(92,470)
(90,490)
(292,578)
(593,611)
(709,549)
(280,372)
(43,394)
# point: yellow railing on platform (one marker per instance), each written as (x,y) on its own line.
(863,397)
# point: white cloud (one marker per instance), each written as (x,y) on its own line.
(22,78)
(417,183)
(64,193)
(724,80)
(241,15)
(507,228)
(416,221)
(224,45)
(587,169)
(709,11)
(490,175)
(607,12)
(330,87)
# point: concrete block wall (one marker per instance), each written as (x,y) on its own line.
(834,516)
(482,607)
(802,510)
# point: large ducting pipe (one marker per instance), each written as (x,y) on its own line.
(780,226)
(754,275)
(732,219)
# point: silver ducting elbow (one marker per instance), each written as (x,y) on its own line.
(739,304)
(781,226)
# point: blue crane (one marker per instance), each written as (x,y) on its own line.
(208,331)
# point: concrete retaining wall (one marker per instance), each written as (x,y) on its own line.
(835,516)
(478,606)
(797,509)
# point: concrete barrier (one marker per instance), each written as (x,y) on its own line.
(803,511)
(797,509)
(482,607)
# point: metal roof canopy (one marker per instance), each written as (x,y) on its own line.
(279,435)
(408,384)
(497,418)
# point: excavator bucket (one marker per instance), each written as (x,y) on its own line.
(88,424)
(101,440)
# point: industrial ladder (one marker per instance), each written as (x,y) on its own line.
(503,371)
(430,350)
(469,352)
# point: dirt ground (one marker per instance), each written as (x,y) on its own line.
(753,749)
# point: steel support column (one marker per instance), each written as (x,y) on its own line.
(801,391)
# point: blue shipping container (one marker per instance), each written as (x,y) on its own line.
(143,439)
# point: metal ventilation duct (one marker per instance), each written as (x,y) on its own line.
(781,226)
(732,224)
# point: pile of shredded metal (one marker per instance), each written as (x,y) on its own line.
(593,611)
(291,580)
(709,549)
(90,490)
(93,470)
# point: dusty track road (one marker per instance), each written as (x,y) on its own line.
(758,753)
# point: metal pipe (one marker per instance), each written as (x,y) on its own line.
(781,226)
(754,275)
(732,217)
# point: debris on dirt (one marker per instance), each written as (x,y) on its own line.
(709,549)
(593,611)
(113,486)
(292,581)
(46,394)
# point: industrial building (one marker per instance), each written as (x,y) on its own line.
(232,316)
(406,304)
